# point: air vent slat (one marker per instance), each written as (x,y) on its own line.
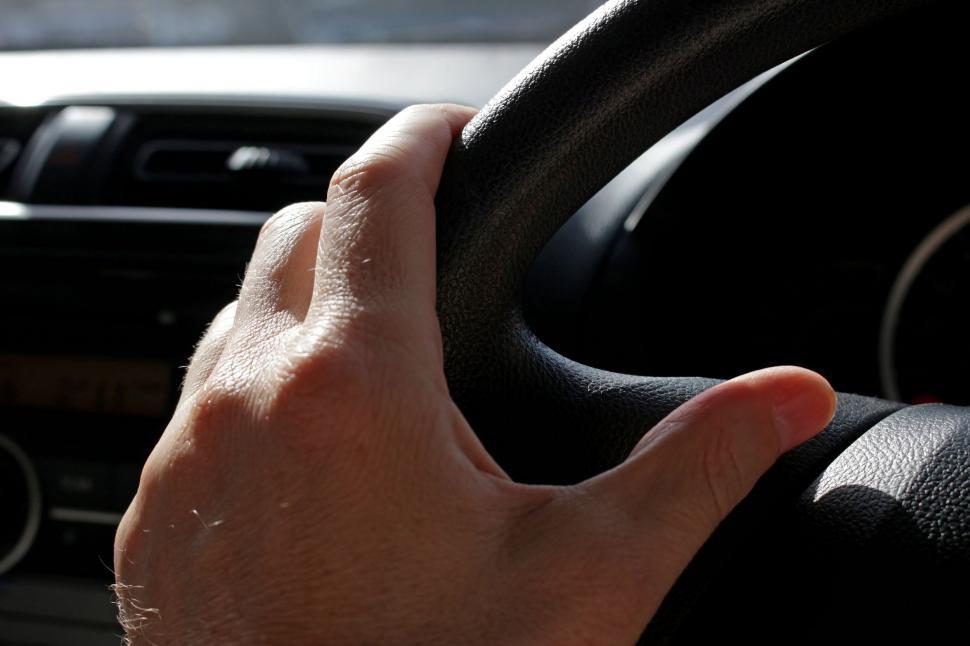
(9,150)
(16,127)
(179,162)
(256,160)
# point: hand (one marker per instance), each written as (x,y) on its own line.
(317,484)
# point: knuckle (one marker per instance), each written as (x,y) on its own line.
(152,473)
(272,222)
(129,538)
(219,327)
(293,215)
(329,372)
(420,110)
(366,173)
(124,537)
(327,398)
(215,335)
(228,311)
(218,407)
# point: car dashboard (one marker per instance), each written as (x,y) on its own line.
(773,227)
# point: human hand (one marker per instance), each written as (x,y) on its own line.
(318,485)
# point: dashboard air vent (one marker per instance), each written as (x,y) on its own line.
(16,127)
(257,160)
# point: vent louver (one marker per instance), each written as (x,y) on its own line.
(16,127)
(257,161)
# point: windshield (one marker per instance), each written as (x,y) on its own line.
(44,24)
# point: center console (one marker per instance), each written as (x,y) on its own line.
(102,309)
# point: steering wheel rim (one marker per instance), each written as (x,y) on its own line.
(581,112)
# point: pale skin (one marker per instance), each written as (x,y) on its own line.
(318,485)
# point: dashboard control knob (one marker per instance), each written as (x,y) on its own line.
(20,502)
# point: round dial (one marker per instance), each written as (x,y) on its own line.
(924,348)
(19,502)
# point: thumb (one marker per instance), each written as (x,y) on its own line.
(655,510)
(690,470)
(701,460)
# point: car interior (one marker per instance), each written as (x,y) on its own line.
(814,214)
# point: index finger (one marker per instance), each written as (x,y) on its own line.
(376,260)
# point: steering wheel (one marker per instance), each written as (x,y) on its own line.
(870,519)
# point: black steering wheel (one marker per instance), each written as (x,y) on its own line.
(869,523)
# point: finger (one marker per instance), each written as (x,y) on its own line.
(698,463)
(208,351)
(278,285)
(645,519)
(376,262)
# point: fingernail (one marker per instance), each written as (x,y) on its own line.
(802,411)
